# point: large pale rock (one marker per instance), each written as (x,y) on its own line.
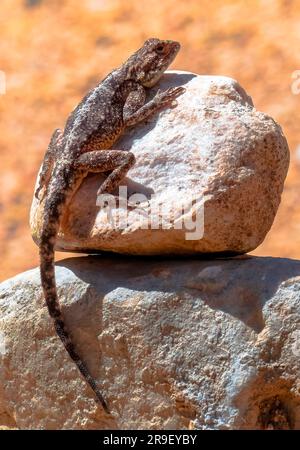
(215,149)
(174,345)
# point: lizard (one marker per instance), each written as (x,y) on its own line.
(85,145)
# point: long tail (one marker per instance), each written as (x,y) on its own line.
(52,214)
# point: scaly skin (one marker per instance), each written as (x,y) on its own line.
(85,146)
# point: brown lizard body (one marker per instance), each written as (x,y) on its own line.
(84,146)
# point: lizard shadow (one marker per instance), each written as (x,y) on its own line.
(238,286)
(90,206)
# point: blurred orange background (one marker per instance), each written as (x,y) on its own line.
(53,51)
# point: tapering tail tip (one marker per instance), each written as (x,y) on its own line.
(103,403)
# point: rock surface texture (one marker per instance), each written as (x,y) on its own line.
(214,154)
(174,345)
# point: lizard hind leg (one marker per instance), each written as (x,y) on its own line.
(48,163)
(116,161)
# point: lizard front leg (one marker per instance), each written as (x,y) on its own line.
(48,162)
(136,111)
(118,161)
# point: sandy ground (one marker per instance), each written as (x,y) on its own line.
(53,51)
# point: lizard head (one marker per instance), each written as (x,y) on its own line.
(150,61)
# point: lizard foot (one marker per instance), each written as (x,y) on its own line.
(167,97)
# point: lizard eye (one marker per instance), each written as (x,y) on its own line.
(160,48)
